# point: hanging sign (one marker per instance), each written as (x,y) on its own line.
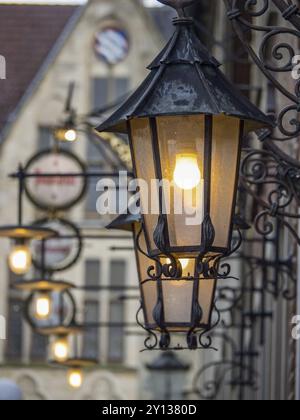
(59,191)
(63,251)
(111,44)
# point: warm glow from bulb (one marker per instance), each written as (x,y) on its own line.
(187,174)
(75,378)
(70,135)
(43,306)
(183,261)
(184,265)
(61,349)
(20,259)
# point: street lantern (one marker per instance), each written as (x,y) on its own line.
(61,341)
(76,366)
(20,258)
(41,295)
(67,133)
(186,124)
(60,348)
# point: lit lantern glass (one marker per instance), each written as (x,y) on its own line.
(70,135)
(65,134)
(186,173)
(60,349)
(75,378)
(20,259)
(43,306)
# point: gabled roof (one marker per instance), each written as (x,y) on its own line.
(28,35)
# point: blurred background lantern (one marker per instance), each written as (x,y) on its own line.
(168,375)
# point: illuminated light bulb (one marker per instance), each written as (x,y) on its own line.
(187,174)
(184,265)
(60,349)
(75,378)
(183,261)
(43,306)
(70,135)
(20,260)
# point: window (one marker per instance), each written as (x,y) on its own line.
(117,312)
(91,337)
(106,92)
(92,273)
(14,330)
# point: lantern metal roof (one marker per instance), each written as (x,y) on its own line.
(124,222)
(185,79)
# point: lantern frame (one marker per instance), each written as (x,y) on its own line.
(204,92)
(43,285)
(26,233)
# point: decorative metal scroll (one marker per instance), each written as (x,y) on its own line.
(245,312)
(272,174)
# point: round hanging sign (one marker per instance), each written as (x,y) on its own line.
(59,191)
(61,252)
(111,44)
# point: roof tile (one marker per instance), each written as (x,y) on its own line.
(27,35)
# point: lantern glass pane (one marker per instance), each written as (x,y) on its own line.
(206,294)
(177,301)
(148,289)
(225,158)
(145,170)
(181,149)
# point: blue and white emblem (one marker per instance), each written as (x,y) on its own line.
(112,45)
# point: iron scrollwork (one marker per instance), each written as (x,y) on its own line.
(272,175)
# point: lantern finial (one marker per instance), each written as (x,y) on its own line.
(178,5)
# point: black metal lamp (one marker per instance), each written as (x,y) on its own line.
(42,290)
(186,124)
(20,258)
(75,370)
